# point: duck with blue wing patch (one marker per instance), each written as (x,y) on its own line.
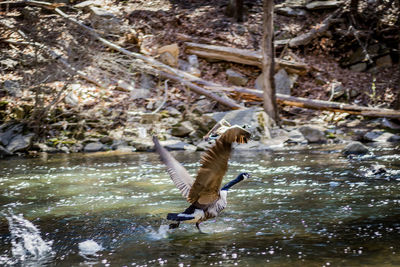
(204,193)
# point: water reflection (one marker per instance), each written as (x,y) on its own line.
(310,206)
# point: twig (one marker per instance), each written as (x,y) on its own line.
(165,97)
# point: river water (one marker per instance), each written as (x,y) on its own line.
(303,206)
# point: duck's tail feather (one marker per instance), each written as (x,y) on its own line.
(179,217)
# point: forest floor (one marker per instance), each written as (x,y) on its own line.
(31,80)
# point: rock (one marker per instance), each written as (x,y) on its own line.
(355,148)
(12,88)
(385,61)
(8,131)
(283,84)
(8,64)
(93,147)
(337,89)
(313,134)
(391,124)
(140,93)
(100,13)
(122,148)
(323,5)
(182,129)
(177,145)
(106,140)
(394,138)
(204,106)
(147,81)
(291,12)
(169,54)
(150,118)
(253,146)
(142,144)
(71,99)
(377,136)
(236,78)
(86,4)
(359,67)
(258,121)
(20,143)
(4,152)
(173,112)
(193,61)
(296,137)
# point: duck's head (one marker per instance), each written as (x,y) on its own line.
(245,175)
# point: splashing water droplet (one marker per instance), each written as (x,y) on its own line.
(26,242)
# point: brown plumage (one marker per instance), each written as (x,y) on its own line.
(204,193)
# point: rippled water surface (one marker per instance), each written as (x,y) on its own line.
(309,206)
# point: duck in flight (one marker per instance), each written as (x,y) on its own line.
(206,197)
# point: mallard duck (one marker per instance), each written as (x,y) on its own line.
(205,194)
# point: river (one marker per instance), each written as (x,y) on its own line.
(306,206)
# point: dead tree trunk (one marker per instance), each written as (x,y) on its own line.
(268,55)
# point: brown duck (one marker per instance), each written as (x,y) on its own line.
(205,194)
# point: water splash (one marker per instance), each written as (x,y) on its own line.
(27,244)
(161,233)
(89,248)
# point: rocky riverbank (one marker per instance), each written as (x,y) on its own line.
(186,133)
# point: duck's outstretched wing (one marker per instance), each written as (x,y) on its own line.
(214,164)
(179,175)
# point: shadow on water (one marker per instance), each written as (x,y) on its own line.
(303,206)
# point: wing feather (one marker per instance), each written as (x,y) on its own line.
(179,175)
(214,164)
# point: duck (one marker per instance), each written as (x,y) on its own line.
(205,195)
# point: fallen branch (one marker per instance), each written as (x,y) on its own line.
(317,104)
(243,56)
(160,68)
(316,31)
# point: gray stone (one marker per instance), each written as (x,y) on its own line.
(385,61)
(102,13)
(12,88)
(173,112)
(71,99)
(313,134)
(86,4)
(323,5)
(140,93)
(378,136)
(236,78)
(20,143)
(394,138)
(283,84)
(182,129)
(142,144)
(9,131)
(390,124)
(355,148)
(204,106)
(147,81)
(258,121)
(337,90)
(177,145)
(4,152)
(45,148)
(291,12)
(359,67)
(296,137)
(93,147)
(150,118)
(193,61)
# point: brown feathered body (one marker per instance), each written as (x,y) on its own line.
(204,193)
